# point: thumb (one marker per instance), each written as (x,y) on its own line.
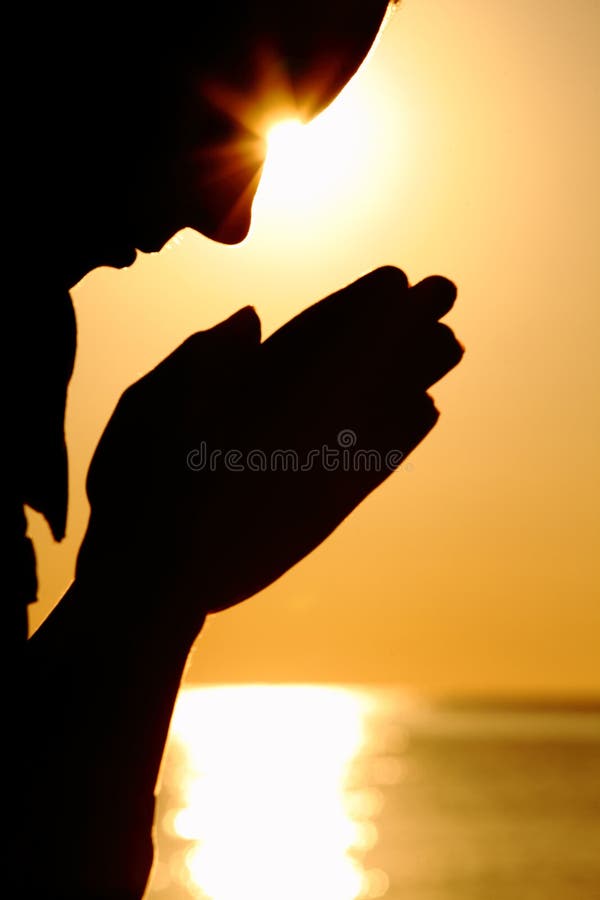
(239,333)
(242,327)
(231,340)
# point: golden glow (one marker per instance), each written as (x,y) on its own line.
(268,809)
(320,162)
(475,567)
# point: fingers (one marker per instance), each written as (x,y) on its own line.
(165,407)
(242,329)
(396,430)
(375,292)
(422,349)
(415,420)
(388,279)
(239,333)
(370,343)
(206,358)
(433,297)
(433,350)
(441,353)
(358,462)
(342,320)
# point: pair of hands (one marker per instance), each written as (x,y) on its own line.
(233,459)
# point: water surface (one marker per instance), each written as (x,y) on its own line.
(331,793)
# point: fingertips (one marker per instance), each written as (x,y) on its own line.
(372,299)
(239,332)
(243,328)
(442,353)
(416,416)
(424,412)
(341,323)
(387,278)
(434,296)
(377,292)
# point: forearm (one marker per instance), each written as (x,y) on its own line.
(101,686)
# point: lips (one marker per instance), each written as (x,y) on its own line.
(124,258)
(151,246)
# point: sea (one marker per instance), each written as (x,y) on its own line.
(327,792)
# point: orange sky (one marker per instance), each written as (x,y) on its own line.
(476,568)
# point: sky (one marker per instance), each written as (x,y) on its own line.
(467,145)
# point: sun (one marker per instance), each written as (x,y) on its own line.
(310,167)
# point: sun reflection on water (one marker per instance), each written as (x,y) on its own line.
(264,802)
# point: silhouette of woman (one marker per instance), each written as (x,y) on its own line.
(157,123)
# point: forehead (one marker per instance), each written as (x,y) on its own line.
(301,53)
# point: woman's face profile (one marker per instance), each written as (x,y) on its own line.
(204,169)
(206,172)
(209,171)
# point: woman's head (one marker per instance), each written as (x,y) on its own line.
(159,121)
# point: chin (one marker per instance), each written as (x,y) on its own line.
(83,264)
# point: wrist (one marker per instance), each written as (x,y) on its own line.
(135,613)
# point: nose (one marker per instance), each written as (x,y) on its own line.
(222,184)
(231,208)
